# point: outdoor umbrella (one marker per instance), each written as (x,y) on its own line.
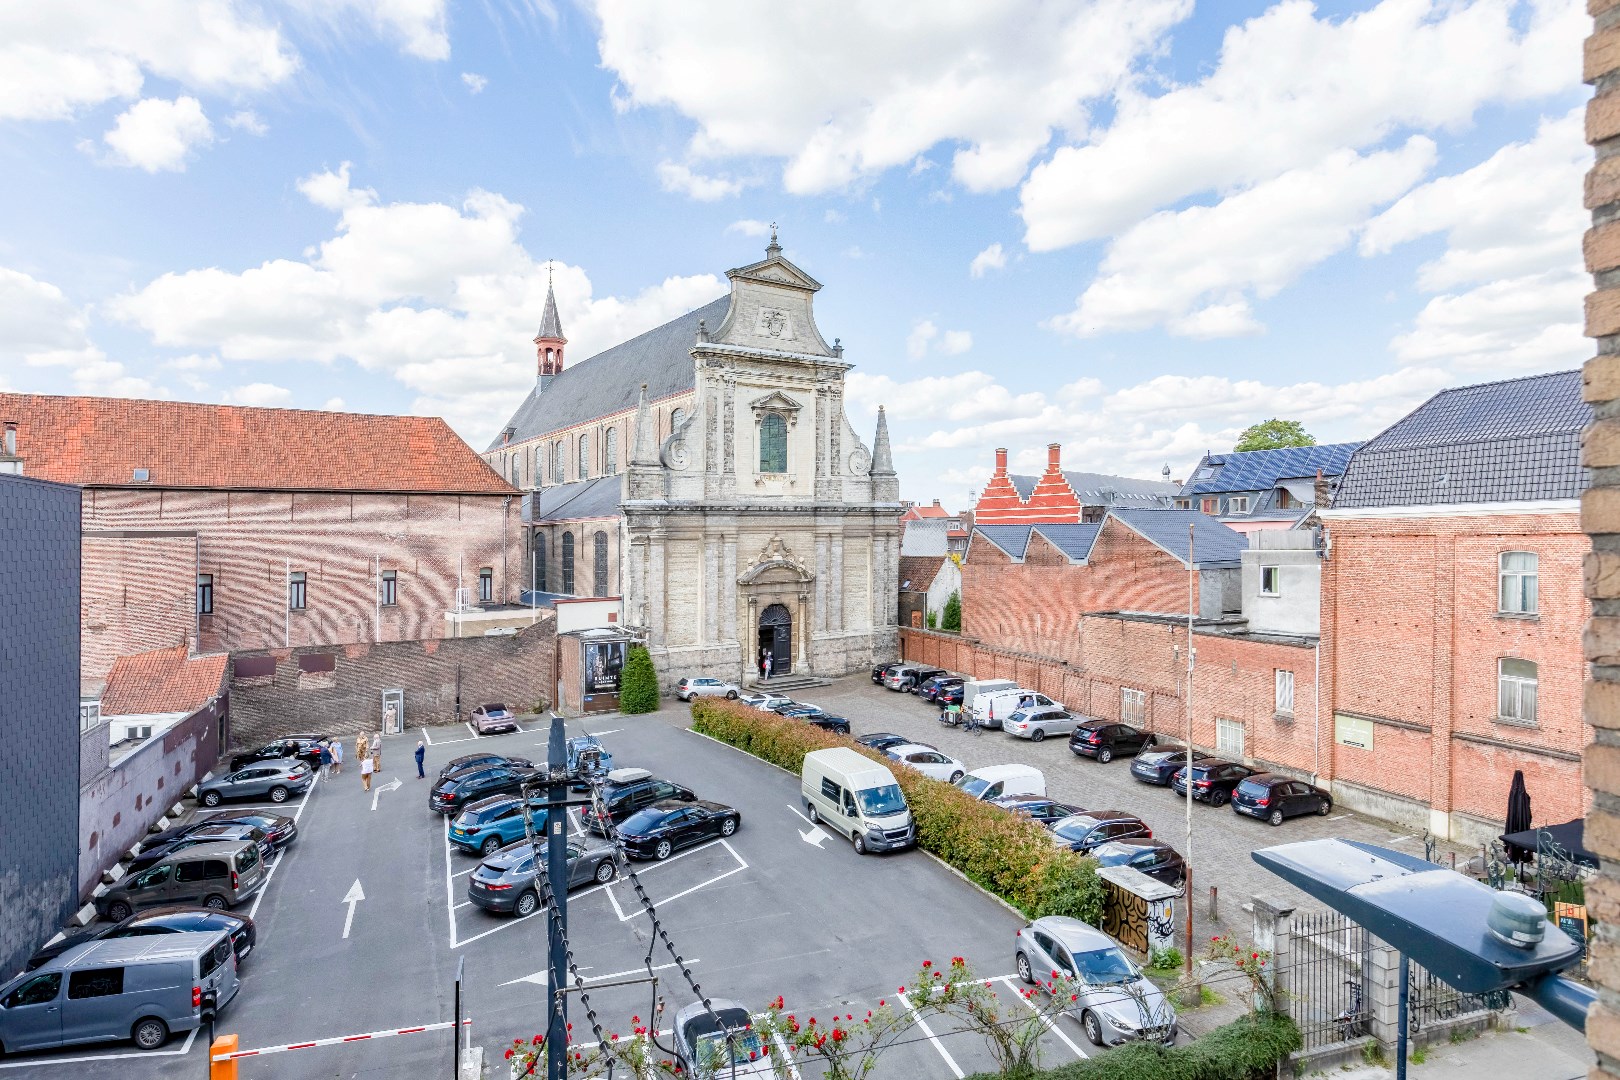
(1518,817)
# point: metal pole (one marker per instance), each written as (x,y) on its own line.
(557,871)
(1192,606)
(455,1033)
(376,596)
(1400,1019)
(286,607)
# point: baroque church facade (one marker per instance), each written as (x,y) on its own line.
(706,472)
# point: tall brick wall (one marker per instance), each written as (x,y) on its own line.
(515,669)
(136,594)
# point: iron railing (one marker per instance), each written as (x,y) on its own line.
(1431,1001)
(1327,991)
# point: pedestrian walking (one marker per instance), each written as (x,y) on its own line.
(326,758)
(337,757)
(421,756)
(767,664)
(362,746)
(376,756)
(366,769)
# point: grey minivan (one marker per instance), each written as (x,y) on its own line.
(214,875)
(143,989)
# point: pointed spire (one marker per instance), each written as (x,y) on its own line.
(773,250)
(550,324)
(645,451)
(882,457)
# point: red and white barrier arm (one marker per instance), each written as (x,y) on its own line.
(338,1041)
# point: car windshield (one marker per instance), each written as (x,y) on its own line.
(747,1046)
(1105,967)
(1076,828)
(882,801)
(1254,787)
(973,785)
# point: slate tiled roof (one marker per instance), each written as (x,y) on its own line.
(920,570)
(582,499)
(1013,539)
(162,681)
(100,442)
(1090,486)
(1259,470)
(610,382)
(927,536)
(1508,441)
(1213,543)
(1073,540)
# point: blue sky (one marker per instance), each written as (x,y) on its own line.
(1130,226)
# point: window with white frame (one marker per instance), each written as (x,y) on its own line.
(1516,682)
(1517,575)
(1285,692)
(1271,581)
(1237,504)
(1133,707)
(1229,739)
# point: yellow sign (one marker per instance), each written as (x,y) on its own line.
(1352,731)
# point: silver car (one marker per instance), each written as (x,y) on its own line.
(1038,722)
(701,1042)
(1117,1003)
(687,689)
(275,780)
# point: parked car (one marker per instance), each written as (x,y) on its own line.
(838,725)
(687,689)
(659,830)
(174,919)
(1107,739)
(279,828)
(480,761)
(1158,764)
(927,760)
(506,882)
(907,677)
(929,689)
(626,791)
(1085,831)
(1152,857)
(1046,811)
(1037,723)
(462,788)
(486,826)
(209,834)
(494,717)
(882,740)
(1213,780)
(796,710)
(994,781)
(301,746)
(764,702)
(706,1052)
(1273,798)
(1114,1001)
(589,760)
(950,695)
(214,875)
(277,781)
(881,672)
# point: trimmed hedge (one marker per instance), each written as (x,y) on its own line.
(1009,855)
(1246,1049)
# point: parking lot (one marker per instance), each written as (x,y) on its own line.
(779,908)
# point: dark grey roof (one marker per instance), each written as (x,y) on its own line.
(610,381)
(1073,540)
(1508,441)
(1213,543)
(1013,539)
(1259,470)
(597,498)
(550,325)
(1091,487)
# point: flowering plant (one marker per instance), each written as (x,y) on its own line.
(972,1002)
(635,1058)
(1252,964)
(848,1044)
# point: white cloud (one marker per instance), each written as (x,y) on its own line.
(158,135)
(247,120)
(475,83)
(40,327)
(417,27)
(955,342)
(1531,323)
(333,404)
(193,362)
(991,258)
(260,394)
(1194,270)
(923,331)
(866,87)
(680,179)
(331,190)
(749,227)
(833,217)
(1291,88)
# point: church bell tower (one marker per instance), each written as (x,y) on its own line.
(549,342)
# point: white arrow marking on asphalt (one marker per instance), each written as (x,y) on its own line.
(540,978)
(352,897)
(376,792)
(813,836)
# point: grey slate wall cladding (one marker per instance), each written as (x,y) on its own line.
(39,710)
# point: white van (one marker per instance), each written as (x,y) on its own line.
(994,781)
(990,709)
(972,688)
(851,795)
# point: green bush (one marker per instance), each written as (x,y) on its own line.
(1245,1049)
(1004,853)
(933,620)
(952,617)
(638,685)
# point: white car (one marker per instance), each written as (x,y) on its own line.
(1037,723)
(928,761)
(687,689)
(764,702)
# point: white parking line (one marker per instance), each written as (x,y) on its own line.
(179,1051)
(281,858)
(473,730)
(950,1062)
(427,737)
(742,864)
(449,884)
(1050,1026)
(787,1055)
(812,824)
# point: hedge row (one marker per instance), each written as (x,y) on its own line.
(1246,1049)
(1009,855)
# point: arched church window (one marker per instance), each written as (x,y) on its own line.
(610,454)
(517,469)
(557,462)
(773,444)
(568,564)
(601,560)
(584,455)
(539,473)
(539,561)
(676,419)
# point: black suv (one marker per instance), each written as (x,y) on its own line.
(301,746)
(1085,831)
(912,681)
(627,791)
(470,785)
(930,688)
(881,672)
(1103,739)
(1212,781)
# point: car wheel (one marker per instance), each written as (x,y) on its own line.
(606,871)
(815,818)
(662,850)
(1105,755)
(215,903)
(1025,972)
(526,905)
(1093,1026)
(119,911)
(1276,818)
(860,843)
(278,794)
(210,798)
(1325,808)
(1219,798)
(955,776)
(731,695)
(728,827)
(490,846)
(1037,735)
(149,1033)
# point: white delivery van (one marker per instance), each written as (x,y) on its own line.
(972,688)
(994,781)
(990,709)
(851,795)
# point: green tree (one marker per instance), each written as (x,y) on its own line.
(952,618)
(1273,434)
(638,686)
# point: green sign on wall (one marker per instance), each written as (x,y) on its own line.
(1352,731)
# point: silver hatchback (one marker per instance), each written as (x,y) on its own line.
(1116,1002)
(276,780)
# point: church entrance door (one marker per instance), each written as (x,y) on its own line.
(776,638)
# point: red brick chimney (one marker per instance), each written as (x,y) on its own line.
(999,503)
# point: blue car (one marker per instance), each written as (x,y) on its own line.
(490,824)
(588,758)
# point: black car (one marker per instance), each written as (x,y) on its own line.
(930,689)
(302,746)
(1105,739)
(657,831)
(211,833)
(175,919)
(628,790)
(459,789)
(280,829)
(1158,765)
(1155,859)
(838,725)
(881,672)
(882,740)
(470,761)
(1085,831)
(950,695)
(1273,798)
(1044,810)
(916,678)
(1213,781)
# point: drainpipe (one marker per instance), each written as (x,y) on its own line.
(1316,695)
(506,514)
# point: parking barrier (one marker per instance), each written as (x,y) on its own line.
(235,1055)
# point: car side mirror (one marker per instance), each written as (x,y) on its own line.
(849,811)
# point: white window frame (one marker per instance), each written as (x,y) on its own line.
(1284,692)
(1230,739)
(1237,504)
(1133,707)
(1511,593)
(1274,571)
(1516,695)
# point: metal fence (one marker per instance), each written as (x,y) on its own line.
(1327,990)
(1431,1001)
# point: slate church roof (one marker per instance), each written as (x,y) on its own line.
(1510,441)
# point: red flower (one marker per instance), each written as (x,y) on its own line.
(509,1055)
(838,1035)
(538,1039)
(902,989)
(1074,997)
(928,963)
(881,1002)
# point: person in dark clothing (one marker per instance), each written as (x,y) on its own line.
(421,755)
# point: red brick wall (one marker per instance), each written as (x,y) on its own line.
(136,593)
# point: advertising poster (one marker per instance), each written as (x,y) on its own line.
(604,662)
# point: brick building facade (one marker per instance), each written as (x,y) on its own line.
(1057,497)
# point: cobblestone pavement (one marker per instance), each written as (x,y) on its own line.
(1222,840)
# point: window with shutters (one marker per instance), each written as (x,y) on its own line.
(772,444)
(568,564)
(600,558)
(610,452)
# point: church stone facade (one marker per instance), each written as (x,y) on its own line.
(740,513)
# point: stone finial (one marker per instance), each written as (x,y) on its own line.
(645,452)
(703,331)
(773,250)
(838,348)
(882,457)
